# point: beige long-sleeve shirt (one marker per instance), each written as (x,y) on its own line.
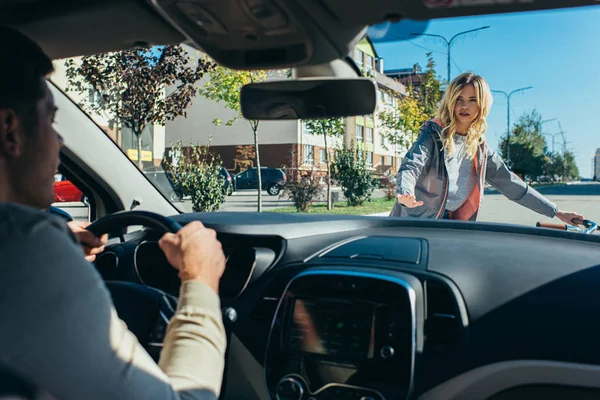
(60,332)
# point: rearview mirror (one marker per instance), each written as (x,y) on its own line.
(308,99)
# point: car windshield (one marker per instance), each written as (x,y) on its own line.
(541,68)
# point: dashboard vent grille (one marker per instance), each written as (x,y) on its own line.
(442,326)
(265,308)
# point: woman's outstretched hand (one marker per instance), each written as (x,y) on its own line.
(570,218)
(408,200)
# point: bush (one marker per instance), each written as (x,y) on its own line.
(350,170)
(196,173)
(302,187)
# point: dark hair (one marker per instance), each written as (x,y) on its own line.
(22,69)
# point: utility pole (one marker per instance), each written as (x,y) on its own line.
(562,134)
(449,42)
(508,95)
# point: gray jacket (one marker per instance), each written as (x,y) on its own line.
(423,174)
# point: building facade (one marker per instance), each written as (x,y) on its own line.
(279,141)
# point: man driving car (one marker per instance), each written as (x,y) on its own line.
(60,332)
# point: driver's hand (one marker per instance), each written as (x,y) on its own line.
(570,218)
(196,253)
(90,243)
(408,200)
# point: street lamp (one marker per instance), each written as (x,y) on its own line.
(449,42)
(550,134)
(508,95)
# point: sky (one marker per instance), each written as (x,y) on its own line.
(557,52)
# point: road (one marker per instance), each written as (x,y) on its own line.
(580,197)
(583,198)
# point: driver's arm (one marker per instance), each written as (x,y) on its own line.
(61,333)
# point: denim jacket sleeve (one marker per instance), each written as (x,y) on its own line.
(513,187)
(414,162)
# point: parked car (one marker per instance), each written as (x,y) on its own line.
(66,192)
(163,182)
(273,180)
(228,183)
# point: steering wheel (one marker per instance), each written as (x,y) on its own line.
(145,310)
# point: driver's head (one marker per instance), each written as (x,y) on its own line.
(29,145)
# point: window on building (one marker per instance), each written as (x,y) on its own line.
(382,139)
(323,156)
(389,160)
(380,96)
(369,158)
(360,133)
(309,154)
(389,99)
(358,57)
(369,63)
(369,135)
(305,130)
(382,162)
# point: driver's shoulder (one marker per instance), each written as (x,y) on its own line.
(19,220)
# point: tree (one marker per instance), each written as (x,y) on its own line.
(129,86)
(196,173)
(244,157)
(401,125)
(563,165)
(571,170)
(528,145)
(428,90)
(329,127)
(224,87)
(350,169)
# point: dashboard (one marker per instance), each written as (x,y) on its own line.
(328,307)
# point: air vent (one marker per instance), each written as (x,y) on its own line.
(442,326)
(265,308)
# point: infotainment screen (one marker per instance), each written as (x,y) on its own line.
(332,328)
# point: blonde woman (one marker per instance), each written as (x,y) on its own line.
(443,173)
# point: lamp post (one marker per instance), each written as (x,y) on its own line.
(508,95)
(449,42)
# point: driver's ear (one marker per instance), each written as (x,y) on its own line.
(12,138)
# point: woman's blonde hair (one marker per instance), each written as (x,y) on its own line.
(478,127)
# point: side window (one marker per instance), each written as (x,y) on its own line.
(70,198)
(252,174)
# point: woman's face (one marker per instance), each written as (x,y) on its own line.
(466,108)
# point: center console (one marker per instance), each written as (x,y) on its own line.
(343,334)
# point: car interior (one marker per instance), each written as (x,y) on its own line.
(409,309)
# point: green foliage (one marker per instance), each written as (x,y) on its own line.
(528,146)
(196,173)
(224,87)
(562,165)
(128,86)
(428,93)
(302,187)
(401,125)
(303,190)
(328,127)
(350,169)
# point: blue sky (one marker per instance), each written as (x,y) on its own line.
(557,52)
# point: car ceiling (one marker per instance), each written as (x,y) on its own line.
(244,34)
